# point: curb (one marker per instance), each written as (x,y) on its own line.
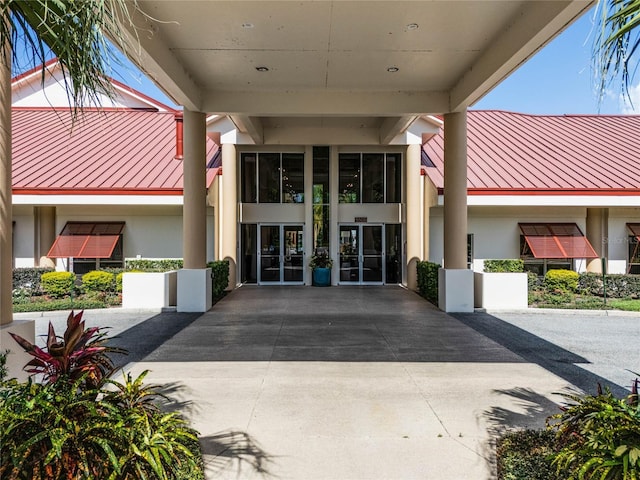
(562,311)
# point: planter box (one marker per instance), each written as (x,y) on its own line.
(17,358)
(500,290)
(149,289)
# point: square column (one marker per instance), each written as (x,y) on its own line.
(228,211)
(194,281)
(455,280)
(413,203)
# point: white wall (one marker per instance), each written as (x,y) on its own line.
(618,237)
(23,240)
(495,230)
(150,231)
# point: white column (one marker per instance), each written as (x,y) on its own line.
(194,280)
(229,211)
(455,287)
(414,214)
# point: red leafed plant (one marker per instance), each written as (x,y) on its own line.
(79,353)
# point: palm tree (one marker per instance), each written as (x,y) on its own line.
(77,32)
(617,43)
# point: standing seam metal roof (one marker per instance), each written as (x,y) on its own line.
(509,152)
(110,151)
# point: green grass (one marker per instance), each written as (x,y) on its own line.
(624,304)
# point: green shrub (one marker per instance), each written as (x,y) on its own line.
(600,436)
(534,282)
(58,304)
(161,265)
(119,282)
(561,281)
(3,364)
(220,272)
(428,280)
(618,286)
(504,266)
(98,281)
(58,284)
(525,455)
(28,279)
(81,424)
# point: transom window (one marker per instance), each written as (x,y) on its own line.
(272,177)
(370,178)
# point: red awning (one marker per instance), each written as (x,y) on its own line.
(634,228)
(557,240)
(86,240)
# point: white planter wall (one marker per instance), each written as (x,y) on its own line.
(500,290)
(149,289)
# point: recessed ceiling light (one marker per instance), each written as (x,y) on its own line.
(412,26)
(262,69)
(247,25)
(392,69)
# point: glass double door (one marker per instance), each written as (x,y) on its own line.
(280,253)
(370,254)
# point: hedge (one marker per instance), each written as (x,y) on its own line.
(618,285)
(220,273)
(525,455)
(561,280)
(98,281)
(504,266)
(428,280)
(58,304)
(160,265)
(58,284)
(29,279)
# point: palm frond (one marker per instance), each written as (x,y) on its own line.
(79,33)
(617,44)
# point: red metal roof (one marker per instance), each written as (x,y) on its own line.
(514,153)
(111,151)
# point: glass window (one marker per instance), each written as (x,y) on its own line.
(269,176)
(370,178)
(394,178)
(373,178)
(248,186)
(320,175)
(292,178)
(349,181)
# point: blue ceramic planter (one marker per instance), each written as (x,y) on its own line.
(321,277)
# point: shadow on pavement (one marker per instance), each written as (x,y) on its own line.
(143,338)
(534,349)
(222,450)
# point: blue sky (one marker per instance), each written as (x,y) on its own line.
(558,79)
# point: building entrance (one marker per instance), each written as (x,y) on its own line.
(369,254)
(272,254)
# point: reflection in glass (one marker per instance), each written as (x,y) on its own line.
(394,178)
(269,175)
(248,187)
(393,252)
(292,178)
(373,178)
(349,178)
(270,253)
(249,246)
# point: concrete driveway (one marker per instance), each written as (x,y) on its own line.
(363,382)
(342,383)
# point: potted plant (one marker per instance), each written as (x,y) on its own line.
(321,264)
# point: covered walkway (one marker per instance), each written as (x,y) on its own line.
(343,383)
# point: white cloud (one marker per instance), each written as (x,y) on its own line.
(634,106)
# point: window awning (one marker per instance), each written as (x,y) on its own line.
(556,240)
(86,240)
(634,228)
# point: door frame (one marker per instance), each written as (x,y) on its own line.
(360,227)
(282,255)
